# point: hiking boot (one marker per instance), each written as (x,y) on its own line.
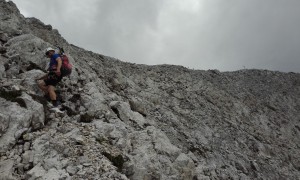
(58,103)
(54,103)
(57,110)
(51,105)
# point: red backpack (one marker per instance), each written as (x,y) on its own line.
(66,67)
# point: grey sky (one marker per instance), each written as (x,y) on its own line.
(201,34)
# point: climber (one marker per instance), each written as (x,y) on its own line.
(48,82)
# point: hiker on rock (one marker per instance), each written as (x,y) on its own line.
(48,82)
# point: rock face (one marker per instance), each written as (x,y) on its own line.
(129,121)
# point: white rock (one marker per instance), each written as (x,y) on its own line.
(53,174)
(36,172)
(6,169)
(125,113)
(18,118)
(72,170)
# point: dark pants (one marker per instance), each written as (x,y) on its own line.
(52,79)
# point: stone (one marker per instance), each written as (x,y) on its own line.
(72,170)
(36,172)
(27,167)
(86,117)
(3,37)
(40,149)
(27,136)
(83,159)
(154,146)
(27,157)
(4,122)
(20,132)
(29,81)
(11,155)
(20,168)
(28,42)
(18,117)
(52,162)
(183,161)
(6,169)
(26,146)
(2,68)
(133,121)
(186,166)
(93,100)
(138,106)
(37,109)
(65,163)
(56,174)
(2,50)
(125,113)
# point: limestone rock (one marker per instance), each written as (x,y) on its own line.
(93,99)
(131,121)
(17,118)
(55,174)
(72,170)
(29,51)
(2,50)
(2,68)
(138,106)
(10,20)
(6,170)
(29,82)
(37,109)
(124,112)
(4,123)
(36,172)
(3,37)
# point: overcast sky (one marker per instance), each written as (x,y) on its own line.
(199,34)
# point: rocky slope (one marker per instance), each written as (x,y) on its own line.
(129,121)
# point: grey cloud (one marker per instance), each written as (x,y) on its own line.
(125,28)
(235,34)
(225,35)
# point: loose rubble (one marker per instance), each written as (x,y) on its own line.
(128,121)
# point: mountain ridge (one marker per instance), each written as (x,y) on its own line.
(134,121)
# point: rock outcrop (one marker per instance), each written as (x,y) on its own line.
(130,121)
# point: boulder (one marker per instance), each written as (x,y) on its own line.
(36,172)
(29,48)
(3,37)
(124,112)
(92,99)
(37,111)
(2,67)
(6,170)
(29,82)
(17,117)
